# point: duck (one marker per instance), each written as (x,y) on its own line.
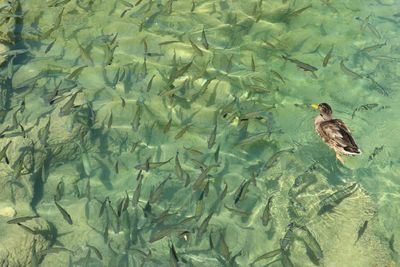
(334,132)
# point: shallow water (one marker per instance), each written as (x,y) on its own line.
(244,173)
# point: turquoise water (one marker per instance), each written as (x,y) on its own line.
(173,133)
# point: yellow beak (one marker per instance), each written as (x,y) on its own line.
(314,106)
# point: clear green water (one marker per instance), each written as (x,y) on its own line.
(267,148)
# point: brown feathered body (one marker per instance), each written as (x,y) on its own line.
(336,134)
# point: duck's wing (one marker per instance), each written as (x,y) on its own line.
(339,136)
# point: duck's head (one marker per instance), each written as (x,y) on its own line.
(324,110)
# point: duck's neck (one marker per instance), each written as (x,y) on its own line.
(321,118)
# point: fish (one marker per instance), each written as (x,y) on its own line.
(136,118)
(196,48)
(193,151)
(141,26)
(334,199)
(123,102)
(76,72)
(116,168)
(108,54)
(361,231)
(18,165)
(302,65)
(203,175)
(114,39)
(64,213)
(199,206)
(151,165)
(376,151)
(59,190)
(374,30)
(299,11)
(349,72)
(203,36)
(116,79)
(238,212)
(155,194)
(391,243)
(253,138)
(87,167)
(274,159)
(126,3)
(110,120)
(285,260)
(3,152)
(10,67)
(241,191)
(145,47)
(364,22)
(147,210)
(54,250)
(85,52)
(96,251)
(134,146)
(168,7)
(179,72)
(186,178)
(173,257)
(166,231)
(136,193)
(43,133)
(276,74)
(223,248)
(373,47)
(22,219)
(193,6)
(187,220)
(150,83)
(266,215)
(314,249)
(178,167)
(152,54)
(182,131)
(163,216)
(124,12)
(376,84)
(287,239)
(206,189)
(169,42)
(224,192)
(144,66)
(14,52)
(30,81)
(123,205)
(34,256)
(203,226)
(267,255)
(216,153)
(48,48)
(167,126)
(315,50)
(26,228)
(211,139)
(104,205)
(105,233)
(364,107)
(253,65)
(229,64)
(327,57)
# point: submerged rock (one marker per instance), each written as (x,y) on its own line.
(19,246)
